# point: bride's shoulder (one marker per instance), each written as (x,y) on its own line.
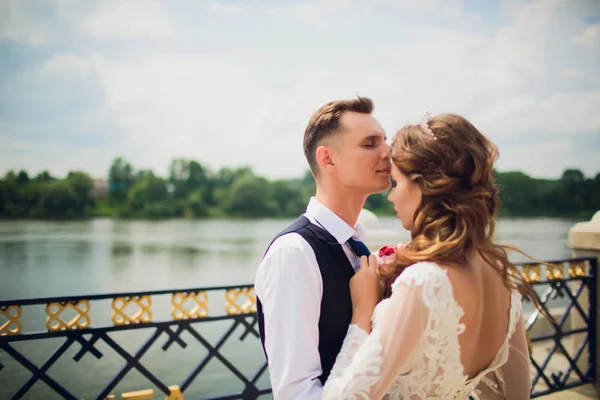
(421,273)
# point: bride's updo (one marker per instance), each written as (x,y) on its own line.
(452,162)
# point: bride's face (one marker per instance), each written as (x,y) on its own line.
(406,196)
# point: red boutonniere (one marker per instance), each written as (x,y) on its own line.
(386,251)
(386,255)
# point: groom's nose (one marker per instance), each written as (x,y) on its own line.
(386,151)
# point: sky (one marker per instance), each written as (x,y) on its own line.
(233,83)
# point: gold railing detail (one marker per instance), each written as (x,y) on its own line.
(577,269)
(529,343)
(199,310)
(531,273)
(555,272)
(174,394)
(55,323)
(232,296)
(13,324)
(120,316)
(138,395)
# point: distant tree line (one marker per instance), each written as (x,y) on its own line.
(191,190)
(44,196)
(573,195)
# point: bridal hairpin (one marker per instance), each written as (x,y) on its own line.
(424,124)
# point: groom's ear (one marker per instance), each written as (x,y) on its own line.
(324,157)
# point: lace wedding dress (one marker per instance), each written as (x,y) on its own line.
(413,351)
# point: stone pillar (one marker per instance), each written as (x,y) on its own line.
(584,240)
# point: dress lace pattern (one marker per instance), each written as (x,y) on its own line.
(433,369)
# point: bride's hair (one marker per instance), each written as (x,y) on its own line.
(452,162)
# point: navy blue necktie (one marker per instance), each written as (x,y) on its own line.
(359,248)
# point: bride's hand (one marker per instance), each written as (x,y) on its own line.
(366,291)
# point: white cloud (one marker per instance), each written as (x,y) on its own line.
(16,23)
(272,10)
(518,52)
(57,157)
(534,157)
(184,106)
(562,113)
(232,9)
(445,8)
(549,159)
(128,19)
(537,45)
(572,73)
(67,64)
(37,35)
(321,14)
(590,37)
(327,8)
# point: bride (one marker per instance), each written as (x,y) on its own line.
(450,324)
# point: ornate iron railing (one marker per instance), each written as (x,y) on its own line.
(562,351)
(83,320)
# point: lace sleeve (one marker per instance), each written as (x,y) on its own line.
(516,371)
(513,379)
(368,365)
(354,339)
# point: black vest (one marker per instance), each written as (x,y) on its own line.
(336,304)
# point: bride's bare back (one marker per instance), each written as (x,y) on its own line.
(485,300)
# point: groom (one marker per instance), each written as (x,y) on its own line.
(302,283)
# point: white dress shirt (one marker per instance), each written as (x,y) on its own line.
(290,287)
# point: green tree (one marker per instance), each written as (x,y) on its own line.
(141,174)
(82,184)
(224,178)
(58,199)
(43,176)
(13,204)
(250,196)
(288,197)
(186,176)
(147,193)
(515,192)
(573,190)
(178,175)
(196,204)
(197,176)
(594,193)
(120,179)
(23,178)
(222,182)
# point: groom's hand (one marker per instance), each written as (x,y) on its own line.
(366,291)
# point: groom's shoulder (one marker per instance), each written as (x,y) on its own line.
(285,260)
(288,241)
(287,252)
(291,236)
(300,223)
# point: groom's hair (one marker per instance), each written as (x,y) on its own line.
(325,122)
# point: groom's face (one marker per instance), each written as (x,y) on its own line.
(361,155)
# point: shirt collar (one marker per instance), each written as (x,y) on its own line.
(332,223)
